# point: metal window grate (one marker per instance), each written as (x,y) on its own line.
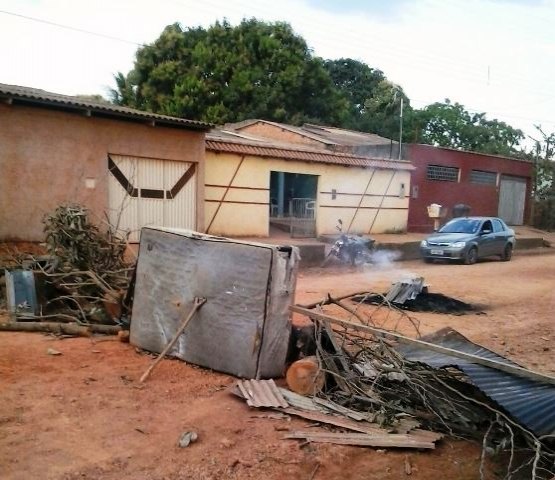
(444,174)
(483,178)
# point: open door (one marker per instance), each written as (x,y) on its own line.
(293,203)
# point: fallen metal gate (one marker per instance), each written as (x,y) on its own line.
(302,217)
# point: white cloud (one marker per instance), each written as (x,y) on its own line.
(433,48)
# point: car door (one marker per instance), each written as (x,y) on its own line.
(500,237)
(486,240)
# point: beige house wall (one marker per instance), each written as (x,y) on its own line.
(49,157)
(245,209)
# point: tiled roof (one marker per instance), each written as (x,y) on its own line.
(220,142)
(36,97)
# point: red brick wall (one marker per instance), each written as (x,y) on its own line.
(483,199)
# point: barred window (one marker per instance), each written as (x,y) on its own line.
(483,178)
(445,174)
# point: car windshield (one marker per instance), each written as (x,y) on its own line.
(461,225)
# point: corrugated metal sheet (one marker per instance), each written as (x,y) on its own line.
(261,149)
(342,136)
(35,96)
(406,289)
(530,402)
(261,393)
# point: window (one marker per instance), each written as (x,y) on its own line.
(498,226)
(482,177)
(487,226)
(444,174)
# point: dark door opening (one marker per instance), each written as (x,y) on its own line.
(293,203)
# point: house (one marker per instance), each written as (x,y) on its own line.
(491,185)
(254,182)
(139,168)
(317,136)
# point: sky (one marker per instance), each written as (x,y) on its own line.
(493,56)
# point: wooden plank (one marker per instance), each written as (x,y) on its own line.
(336,421)
(513,369)
(363,439)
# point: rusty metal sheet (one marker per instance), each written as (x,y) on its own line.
(261,393)
(245,325)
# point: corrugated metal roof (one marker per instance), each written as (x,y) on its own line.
(261,393)
(284,126)
(267,149)
(342,136)
(530,402)
(36,97)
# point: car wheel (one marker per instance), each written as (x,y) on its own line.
(507,253)
(471,256)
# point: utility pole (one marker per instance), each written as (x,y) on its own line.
(401,129)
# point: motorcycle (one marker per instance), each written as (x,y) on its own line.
(350,248)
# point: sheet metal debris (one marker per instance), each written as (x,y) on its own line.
(530,402)
(245,325)
(261,393)
(406,289)
(264,393)
(505,407)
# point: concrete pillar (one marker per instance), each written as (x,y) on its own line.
(281,193)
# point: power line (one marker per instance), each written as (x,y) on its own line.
(396,51)
(74,29)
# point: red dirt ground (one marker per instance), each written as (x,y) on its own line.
(81,415)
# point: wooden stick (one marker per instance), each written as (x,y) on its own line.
(326,301)
(60,328)
(504,367)
(199,302)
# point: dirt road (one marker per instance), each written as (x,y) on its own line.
(81,414)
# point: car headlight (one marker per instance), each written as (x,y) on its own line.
(423,243)
(458,244)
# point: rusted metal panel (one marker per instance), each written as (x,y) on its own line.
(243,329)
(261,393)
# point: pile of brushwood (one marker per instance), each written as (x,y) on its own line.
(366,372)
(84,278)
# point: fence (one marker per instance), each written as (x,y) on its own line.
(302,217)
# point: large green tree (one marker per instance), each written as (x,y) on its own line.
(449,124)
(230,73)
(374,101)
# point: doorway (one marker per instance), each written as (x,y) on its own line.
(293,203)
(512,199)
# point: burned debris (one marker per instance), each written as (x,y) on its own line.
(412,294)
